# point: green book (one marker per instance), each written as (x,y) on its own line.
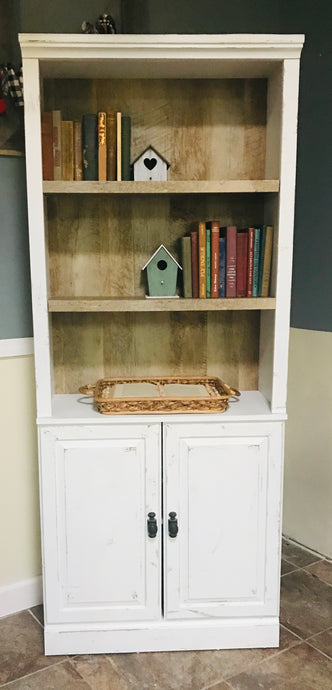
(261,259)
(90,146)
(186,266)
(125,147)
(208,262)
(255,275)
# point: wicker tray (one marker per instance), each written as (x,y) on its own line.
(167,394)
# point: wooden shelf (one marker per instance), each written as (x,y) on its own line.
(169,187)
(128,304)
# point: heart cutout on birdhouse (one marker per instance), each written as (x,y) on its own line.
(150,163)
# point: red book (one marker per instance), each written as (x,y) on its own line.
(47,145)
(231,261)
(194,262)
(250,260)
(241,263)
(214,258)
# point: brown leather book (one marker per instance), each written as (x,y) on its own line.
(202,258)
(47,145)
(267,261)
(102,150)
(56,118)
(194,263)
(78,162)
(67,149)
(111,144)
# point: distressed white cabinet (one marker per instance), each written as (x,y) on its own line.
(214,555)
(222,109)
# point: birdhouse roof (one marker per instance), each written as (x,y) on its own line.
(156,252)
(156,152)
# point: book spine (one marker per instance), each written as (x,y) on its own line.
(125,147)
(67,150)
(56,119)
(208,262)
(231,261)
(118,147)
(261,259)
(214,258)
(78,164)
(256,263)
(47,145)
(102,150)
(194,263)
(202,259)
(241,263)
(186,266)
(111,144)
(90,146)
(222,267)
(251,239)
(267,261)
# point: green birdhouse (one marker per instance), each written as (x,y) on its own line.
(162,271)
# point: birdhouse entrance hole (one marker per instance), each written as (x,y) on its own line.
(162,264)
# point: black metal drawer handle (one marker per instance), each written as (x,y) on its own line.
(173,526)
(152,525)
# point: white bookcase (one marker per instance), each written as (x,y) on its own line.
(223,110)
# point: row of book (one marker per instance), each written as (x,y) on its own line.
(227,261)
(97,147)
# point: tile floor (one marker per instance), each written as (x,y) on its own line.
(303,661)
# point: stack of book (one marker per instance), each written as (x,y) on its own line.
(94,148)
(227,261)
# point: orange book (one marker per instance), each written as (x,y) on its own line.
(202,259)
(214,258)
(102,150)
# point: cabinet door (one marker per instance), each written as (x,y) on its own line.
(98,486)
(224,483)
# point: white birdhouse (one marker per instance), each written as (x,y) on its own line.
(150,165)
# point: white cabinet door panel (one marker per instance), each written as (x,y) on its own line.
(100,563)
(224,484)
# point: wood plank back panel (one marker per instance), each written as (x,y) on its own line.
(97,247)
(207,129)
(89,346)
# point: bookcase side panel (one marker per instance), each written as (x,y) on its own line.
(38,262)
(285,233)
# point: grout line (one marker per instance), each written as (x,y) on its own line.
(34,673)
(36,619)
(70,659)
(278,652)
(318,650)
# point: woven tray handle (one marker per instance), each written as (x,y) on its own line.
(89,389)
(232,391)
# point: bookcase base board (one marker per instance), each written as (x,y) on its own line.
(163,637)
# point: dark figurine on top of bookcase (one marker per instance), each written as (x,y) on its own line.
(105,24)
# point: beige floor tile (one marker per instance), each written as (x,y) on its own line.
(228,662)
(299,668)
(59,677)
(21,647)
(287,567)
(297,555)
(99,672)
(306,604)
(323,570)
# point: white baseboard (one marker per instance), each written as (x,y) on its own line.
(16,347)
(21,595)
